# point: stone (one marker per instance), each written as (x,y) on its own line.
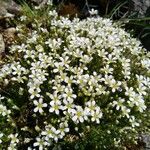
(4,13)
(146,140)
(37,1)
(9,8)
(141,6)
(9,35)
(43,2)
(2,44)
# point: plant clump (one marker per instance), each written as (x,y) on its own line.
(73,84)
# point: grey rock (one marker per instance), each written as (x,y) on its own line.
(10,30)
(146,140)
(3,11)
(37,1)
(41,3)
(141,6)
(9,35)
(44,2)
(8,8)
(2,44)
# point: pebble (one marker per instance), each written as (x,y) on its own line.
(2,44)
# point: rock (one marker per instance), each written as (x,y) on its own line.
(11,6)
(40,3)
(3,11)
(8,8)
(43,2)
(37,1)
(2,44)
(146,140)
(141,6)
(9,35)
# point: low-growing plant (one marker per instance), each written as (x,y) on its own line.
(73,84)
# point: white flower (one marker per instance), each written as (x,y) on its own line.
(68,95)
(48,133)
(102,53)
(114,85)
(133,122)
(69,80)
(34,92)
(12,147)
(39,48)
(138,101)
(100,90)
(125,111)
(55,107)
(23,18)
(86,59)
(96,115)
(54,43)
(59,67)
(78,115)
(108,79)
(146,63)
(53,12)
(69,107)
(107,69)
(93,12)
(125,62)
(58,87)
(33,37)
(142,90)
(65,61)
(50,2)
(4,111)
(110,58)
(63,128)
(39,105)
(14,139)
(1,135)
(51,133)
(129,91)
(119,104)
(40,143)
(91,105)
(55,97)
(30,54)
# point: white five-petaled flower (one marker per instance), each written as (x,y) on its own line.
(4,111)
(39,105)
(96,115)
(68,94)
(119,104)
(114,84)
(14,138)
(40,143)
(51,132)
(34,92)
(78,115)
(55,107)
(63,128)
(55,97)
(91,105)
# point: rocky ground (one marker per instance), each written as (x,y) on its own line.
(8,10)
